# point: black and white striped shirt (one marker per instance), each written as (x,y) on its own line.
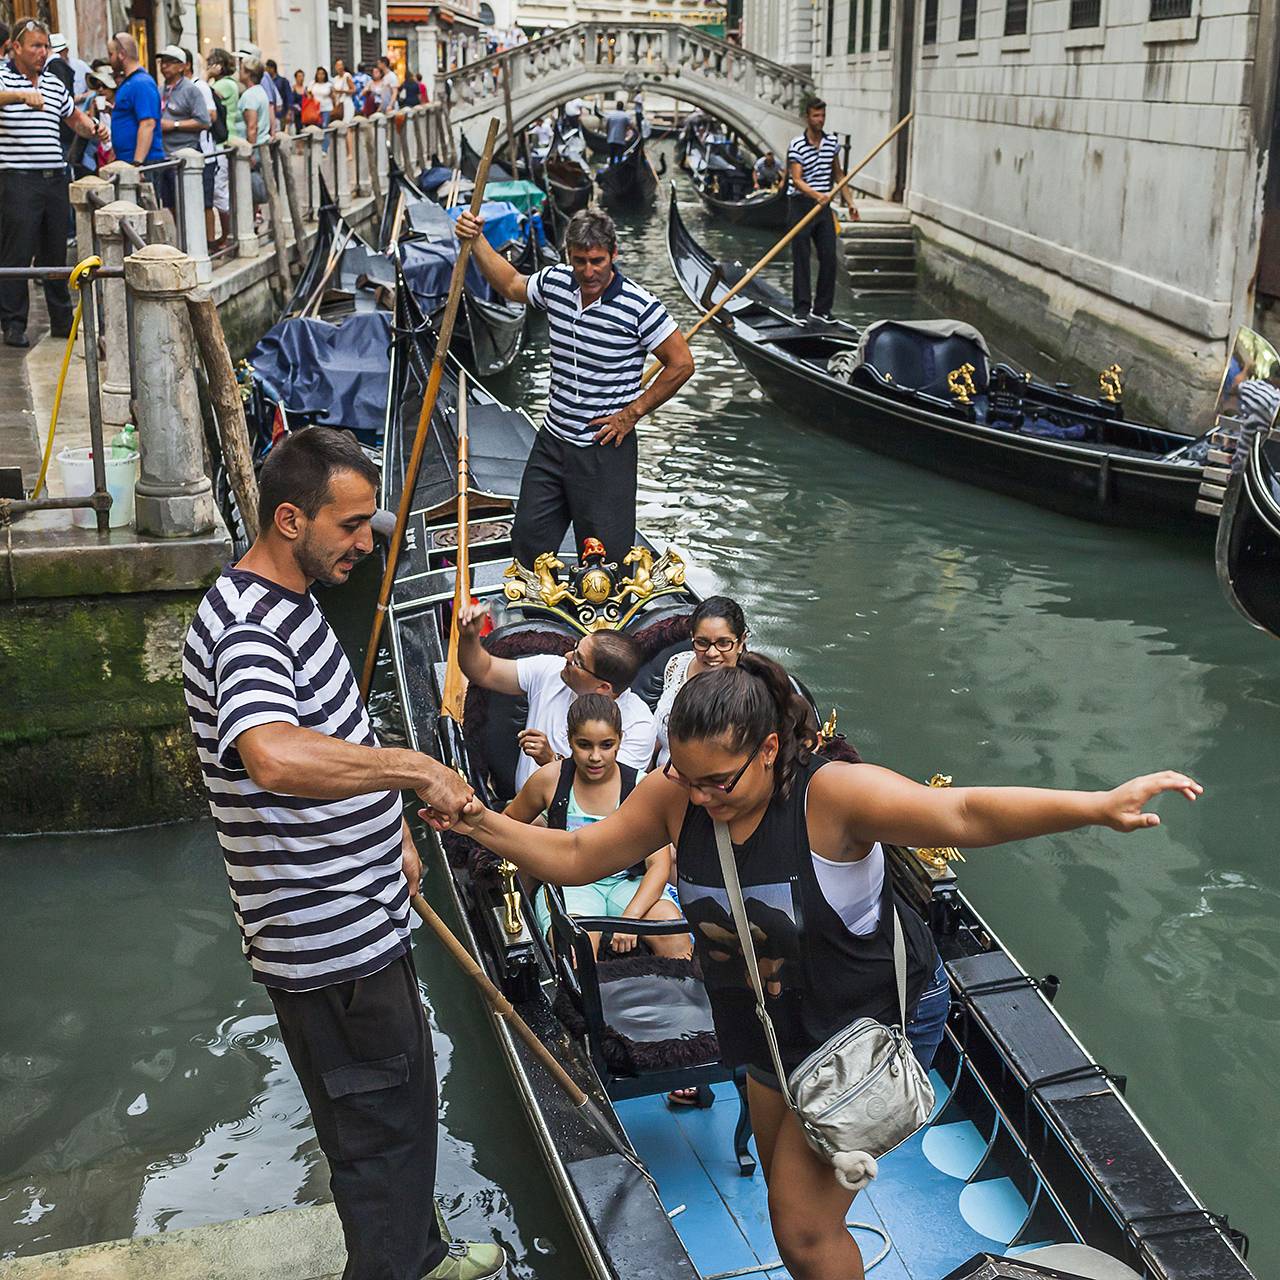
(597,353)
(31,139)
(316,885)
(815,162)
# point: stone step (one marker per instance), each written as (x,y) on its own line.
(877,231)
(896,249)
(1220,457)
(872,210)
(882,281)
(1205,507)
(1217,475)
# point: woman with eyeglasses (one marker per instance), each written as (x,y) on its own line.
(806,837)
(718,634)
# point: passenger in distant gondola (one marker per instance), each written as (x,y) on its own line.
(766,173)
(813,169)
(582,468)
(617,124)
(806,841)
(587,786)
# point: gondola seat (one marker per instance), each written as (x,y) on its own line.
(919,355)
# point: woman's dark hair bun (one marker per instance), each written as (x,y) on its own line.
(744,704)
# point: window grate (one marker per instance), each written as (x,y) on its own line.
(886,12)
(1161,9)
(866,26)
(1015,17)
(851,43)
(968,19)
(1086,13)
(929,31)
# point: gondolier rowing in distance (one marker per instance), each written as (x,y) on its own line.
(582,468)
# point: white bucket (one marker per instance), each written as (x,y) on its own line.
(77,482)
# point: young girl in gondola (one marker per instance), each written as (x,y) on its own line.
(806,839)
(571,794)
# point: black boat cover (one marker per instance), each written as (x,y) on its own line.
(335,374)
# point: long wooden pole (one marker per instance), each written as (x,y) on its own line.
(443,338)
(453,695)
(506,105)
(790,235)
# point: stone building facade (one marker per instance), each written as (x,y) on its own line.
(1090,173)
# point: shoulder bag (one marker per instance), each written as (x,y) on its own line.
(862,1092)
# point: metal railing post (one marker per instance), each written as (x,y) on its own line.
(117,383)
(195,233)
(173,496)
(242,232)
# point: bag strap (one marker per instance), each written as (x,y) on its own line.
(729,870)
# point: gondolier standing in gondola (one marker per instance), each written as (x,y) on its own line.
(813,169)
(582,468)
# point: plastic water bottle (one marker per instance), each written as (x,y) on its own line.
(126,438)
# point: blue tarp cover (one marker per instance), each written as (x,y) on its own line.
(428,266)
(335,374)
(501,221)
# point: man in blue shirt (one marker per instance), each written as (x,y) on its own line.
(135,117)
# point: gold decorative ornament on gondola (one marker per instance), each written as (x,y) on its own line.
(827,734)
(594,595)
(1112,387)
(937,859)
(961,385)
(512,921)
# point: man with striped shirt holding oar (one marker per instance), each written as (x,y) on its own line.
(320,862)
(582,468)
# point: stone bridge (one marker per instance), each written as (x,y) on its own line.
(758,98)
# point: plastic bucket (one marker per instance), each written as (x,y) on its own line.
(77,482)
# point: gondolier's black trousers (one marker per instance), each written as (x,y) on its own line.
(362,1051)
(594,487)
(33,230)
(822,232)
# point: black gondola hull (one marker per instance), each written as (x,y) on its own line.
(769,213)
(1248,548)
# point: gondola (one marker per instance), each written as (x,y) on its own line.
(1248,547)
(1032,1143)
(490,330)
(929,394)
(568,183)
(630,181)
(729,196)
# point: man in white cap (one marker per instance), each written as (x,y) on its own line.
(183,117)
(251,53)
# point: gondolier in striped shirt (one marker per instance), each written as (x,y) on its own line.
(320,862)
(33,179)
(813,169)
(603,328)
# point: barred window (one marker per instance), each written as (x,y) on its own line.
(1086,13)
(831,25)
(1015,17)
(851,43)
(866,26)
(929,32)
(886,13)
(1170,9)
(968,19)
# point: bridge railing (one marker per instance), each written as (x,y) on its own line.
(656,51)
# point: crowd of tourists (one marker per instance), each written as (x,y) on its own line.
(63,118)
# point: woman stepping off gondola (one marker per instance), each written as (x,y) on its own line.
(805,836)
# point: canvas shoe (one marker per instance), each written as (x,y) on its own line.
(469,1260)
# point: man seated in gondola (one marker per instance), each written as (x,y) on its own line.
(766,173)
(582,468)
(604,662)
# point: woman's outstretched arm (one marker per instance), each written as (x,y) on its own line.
(878,804)
(643,823)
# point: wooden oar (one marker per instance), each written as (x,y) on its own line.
(454,694)
(443,338)
(818,208)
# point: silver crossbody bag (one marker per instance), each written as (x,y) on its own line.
(863,1092)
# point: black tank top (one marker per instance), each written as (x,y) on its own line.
(818,977)
(558,809)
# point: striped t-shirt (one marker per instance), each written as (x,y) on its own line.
(598,352)
(316,885)
(815,162)
(30,139)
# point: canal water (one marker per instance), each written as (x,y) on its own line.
(142,1083)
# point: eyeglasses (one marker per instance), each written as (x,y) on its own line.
(721,788)
(574,659)
(721,644)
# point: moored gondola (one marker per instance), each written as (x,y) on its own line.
(1031,1144)
(929,393)
(567,180)
(629,182)
(766,209)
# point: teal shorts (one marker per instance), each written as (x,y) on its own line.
(608,897)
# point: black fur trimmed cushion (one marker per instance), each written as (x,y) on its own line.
(627,1055)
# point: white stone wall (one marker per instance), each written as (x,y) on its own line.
(781,30)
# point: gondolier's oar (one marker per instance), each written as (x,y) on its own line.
(443,338)
(791,234)
(502,1008)
(453,695)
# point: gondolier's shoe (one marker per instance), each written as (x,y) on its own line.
(800,317)
(470,1260)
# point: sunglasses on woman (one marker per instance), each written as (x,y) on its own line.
(721,644)
(720,788)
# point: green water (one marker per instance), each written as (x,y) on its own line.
(141,1082)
